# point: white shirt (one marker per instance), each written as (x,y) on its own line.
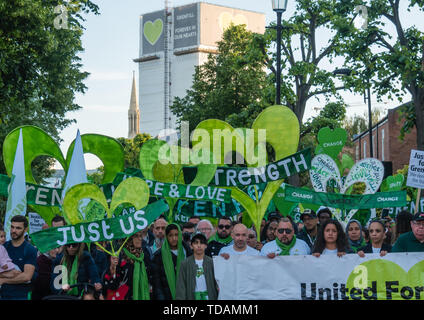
(330,252)
(249,251)
(200,277)
(376,250)
(299,248)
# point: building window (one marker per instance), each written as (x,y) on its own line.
(365,149)
(382,144)
(357,152)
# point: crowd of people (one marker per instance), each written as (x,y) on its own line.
(168,261)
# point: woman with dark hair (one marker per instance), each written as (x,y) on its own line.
(354,235)
(403,224)
(127,277)
(377,236)
(80,268)
(166,263)
(331,240)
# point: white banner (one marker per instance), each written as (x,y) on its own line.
(397,276)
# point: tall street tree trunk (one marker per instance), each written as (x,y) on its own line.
(419,113)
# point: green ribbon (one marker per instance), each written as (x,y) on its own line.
(140,282)
(168,264)
(285,248)
(346,201)
(216,238)
(73,276)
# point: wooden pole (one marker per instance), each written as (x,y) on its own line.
(418,200)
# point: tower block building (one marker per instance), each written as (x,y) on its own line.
(133,112)
(172,43)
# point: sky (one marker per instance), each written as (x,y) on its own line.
(111,42)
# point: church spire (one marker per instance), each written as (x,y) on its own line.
(133,112)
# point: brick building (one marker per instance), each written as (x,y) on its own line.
(387,146)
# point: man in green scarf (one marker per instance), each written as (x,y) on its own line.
(221,238)
(166,263)
(285,243)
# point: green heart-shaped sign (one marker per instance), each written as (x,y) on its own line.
(387,275)
(162,162)
(153,30)
(331,142)
(393,183)
(134,191)
(282,133)
(38,143)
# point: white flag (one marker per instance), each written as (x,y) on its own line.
(76,171)
(16,201)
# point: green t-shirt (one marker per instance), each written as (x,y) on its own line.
(408,243)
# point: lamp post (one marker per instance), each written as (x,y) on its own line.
(367,96)
(279,6)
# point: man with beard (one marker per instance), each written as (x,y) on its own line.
(286,243)
(310,228)
(159,233)
(240,247)
(221,238)
(23,255)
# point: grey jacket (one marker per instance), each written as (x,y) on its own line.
(186,281)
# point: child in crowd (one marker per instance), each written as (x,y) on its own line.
(7,268)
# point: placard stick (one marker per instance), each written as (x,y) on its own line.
(418,200)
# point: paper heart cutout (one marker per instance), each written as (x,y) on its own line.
(134,191)
(380,270)
(153,30)
(282,133)
(323,169)
(225,19)
(393,183)
(37,142)
(331,142)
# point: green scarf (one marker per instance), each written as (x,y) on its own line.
(285,248)
(140,288)
(168,264)
(216,238)
(72,278)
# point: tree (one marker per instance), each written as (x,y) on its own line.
(357,124)
(302,74)
(232,85)
(132,149)
(394,63)
(39,67)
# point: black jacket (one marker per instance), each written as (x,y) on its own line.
(303,235)
(368,248)
(213,248)
(160,285)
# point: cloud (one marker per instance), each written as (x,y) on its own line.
(105,108)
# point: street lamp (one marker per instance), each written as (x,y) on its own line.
(367,96)
(279,6)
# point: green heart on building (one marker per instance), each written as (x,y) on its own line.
(153,30)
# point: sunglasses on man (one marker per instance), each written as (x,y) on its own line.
(222,226)
(282,230)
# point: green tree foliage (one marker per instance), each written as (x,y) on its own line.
(132,149)
(232,85)
(39,67)
(303,76)
(393,61)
